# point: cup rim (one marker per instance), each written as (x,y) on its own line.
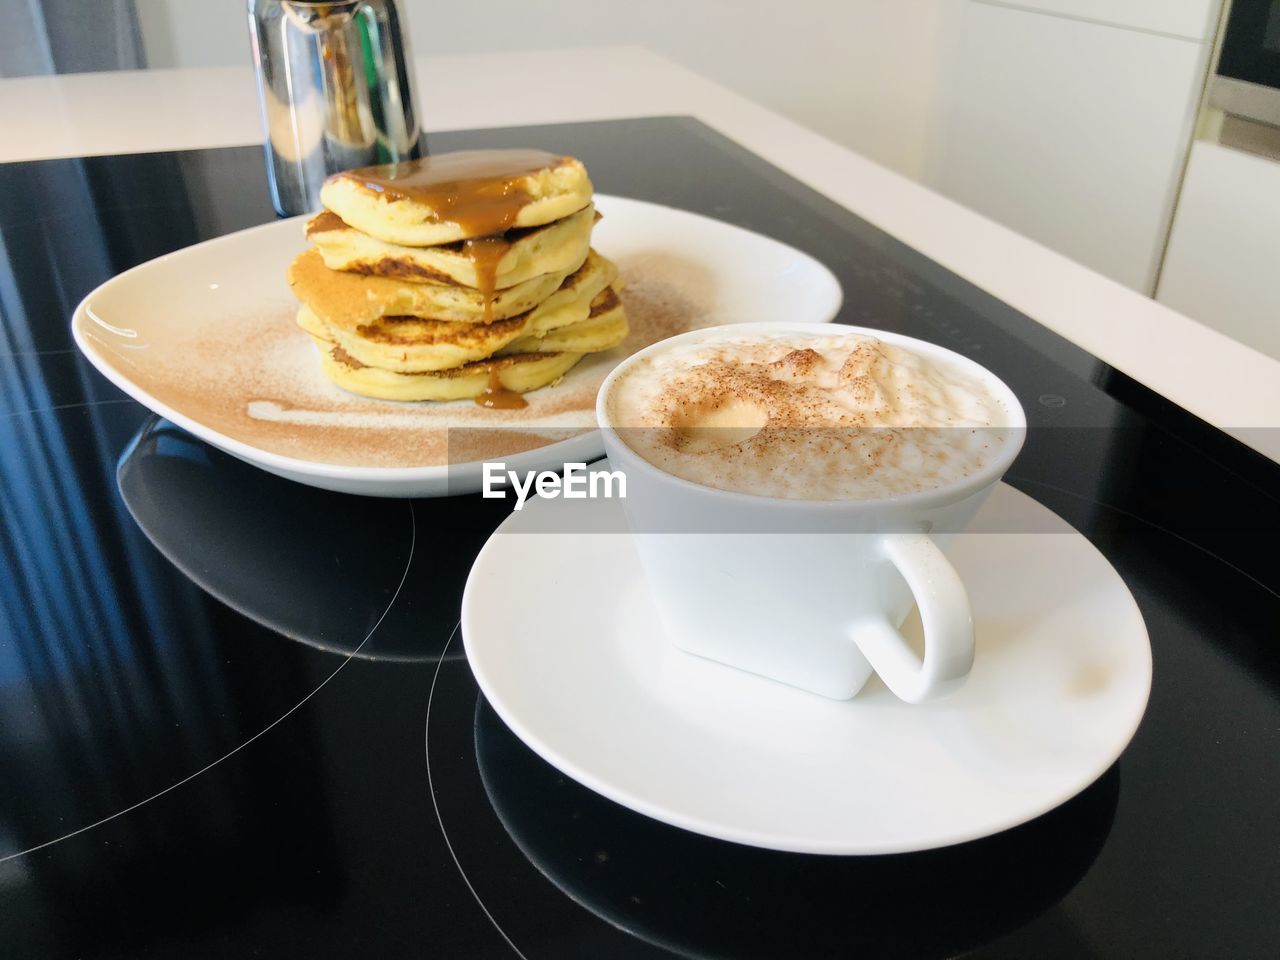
(948,493)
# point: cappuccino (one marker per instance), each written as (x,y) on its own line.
(808,416)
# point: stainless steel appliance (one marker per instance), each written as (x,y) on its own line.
(1247,82)
(336,85)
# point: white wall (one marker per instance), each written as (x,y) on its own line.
(862,72)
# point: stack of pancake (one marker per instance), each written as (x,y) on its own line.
(459,275)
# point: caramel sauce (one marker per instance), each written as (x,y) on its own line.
(479,190)
(486,253)
(498,397)
(482,191)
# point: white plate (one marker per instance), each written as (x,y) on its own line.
(566,646)
(206,337)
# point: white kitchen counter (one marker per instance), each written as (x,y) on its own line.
(1233,387)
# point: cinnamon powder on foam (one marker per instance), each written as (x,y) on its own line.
(807,416)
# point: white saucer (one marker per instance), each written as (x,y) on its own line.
(566,646)
(206,338)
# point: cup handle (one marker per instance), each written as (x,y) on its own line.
(944,611)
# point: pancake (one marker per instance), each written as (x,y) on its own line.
(412,345)
(519,373)
(605,328)
(532,252)
(458,196)
(349,299)
(409,345)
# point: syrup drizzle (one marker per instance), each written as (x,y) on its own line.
(486,254)
(498,397)
(482,191)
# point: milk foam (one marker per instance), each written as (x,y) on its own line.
(807,416)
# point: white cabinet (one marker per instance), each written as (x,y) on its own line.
(1071,132)
(1223,264)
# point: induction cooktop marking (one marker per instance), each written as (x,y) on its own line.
(65,406)
(6,354)
(413,539)
(1155,526)
(426,737)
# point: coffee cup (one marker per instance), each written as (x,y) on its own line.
(808,581)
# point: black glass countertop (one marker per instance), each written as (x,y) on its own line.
(236,718)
